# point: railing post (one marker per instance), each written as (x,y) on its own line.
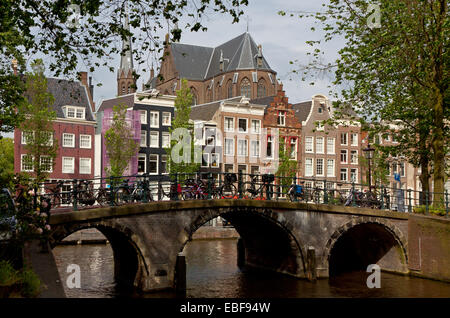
(209,185)
(353,194)
(446,203)
(409,201)
(159,189)
(35,197)
(294,180)
(325,192)
(111,191)
(75,195)
(382,197)
(240,184)
(426,202)
(174,189)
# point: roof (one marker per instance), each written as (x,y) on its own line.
(200,62)
(71,93)
(206,111)
(109,103)
(126,58)
(263,100)
(302,110)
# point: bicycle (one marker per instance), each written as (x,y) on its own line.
(227,190)
(259,192)
(141,191)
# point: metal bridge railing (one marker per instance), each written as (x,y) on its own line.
(112,191)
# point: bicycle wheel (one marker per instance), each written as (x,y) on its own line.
(291,194)
(228,191)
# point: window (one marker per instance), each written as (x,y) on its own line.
(85,141)
(229,168)
(308,167)
(143,114)
(354,156)
(402,169)
(330,167)
(319,145)
(47,138)
(215,160)
(354,139)
(256,126)
(320,109)
(269,147)
(354,175)
(319,167)
(68,164)
(246,88)
(85,165)
(69,140)
(343,156)
(261,88)
(242,147)
(46,163)
(26,136)
(235,78)
(242,169)
(330,146)
(205,160)
(254,77)
(154,139)
(281,118)
(142,161)
(229,89)
(229,124)
(75,112)
(26,162)
(165,140)
(309,144)
(154,119)
(344,139)
(242,125)
(254,169)
(143,138)
(293,148)
(153,164)
(210,135)
(254,148)
(166,118)
(164,166)
(344,174)
(229,146)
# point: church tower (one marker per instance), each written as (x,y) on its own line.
(126,82)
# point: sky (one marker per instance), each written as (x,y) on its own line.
(282,39)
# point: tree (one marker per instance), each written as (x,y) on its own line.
(41,145)
(119,142)
(70,32)
(287,168)
(182,158)
(395,73)
(6,162)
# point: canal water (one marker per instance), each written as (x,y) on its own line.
(212,272)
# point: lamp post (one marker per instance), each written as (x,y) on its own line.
(368,152)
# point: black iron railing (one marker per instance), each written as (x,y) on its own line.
(78,194)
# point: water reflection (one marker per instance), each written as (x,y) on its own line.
(212,272)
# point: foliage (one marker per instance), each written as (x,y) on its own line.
(25,281)
(379,167)
(434,210)
(287,168)
(38,126)
(395,76)
(119,142)
(183,104)
(6,163)
(73,32)
(8,274)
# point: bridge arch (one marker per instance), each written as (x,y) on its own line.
(364,241)
(268,239)
(128,249)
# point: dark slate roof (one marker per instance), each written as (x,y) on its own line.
(109,103)
(200,63)
(302,110)
(206,111)
(70,93)
(262,100)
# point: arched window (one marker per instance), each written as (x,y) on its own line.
(229,89)
(194,96)
(209,94)
(246,88)
(262,88)
(123,89)
(218,91)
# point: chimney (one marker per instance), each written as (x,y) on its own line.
(14,66)
(83,76)
(91,87)
(152,73)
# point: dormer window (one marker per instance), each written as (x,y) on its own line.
(75,112)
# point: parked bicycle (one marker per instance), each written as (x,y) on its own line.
(265,189)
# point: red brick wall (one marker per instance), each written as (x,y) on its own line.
(76,152)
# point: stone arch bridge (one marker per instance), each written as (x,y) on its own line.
(298,239)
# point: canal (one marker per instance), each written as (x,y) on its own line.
(212,272)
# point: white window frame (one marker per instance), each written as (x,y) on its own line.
(167,135)
(318,149)
(354,139)
(295,144)
(205,156)
(143,116)
(258,127)
(246,125)
(309,173)
(218,160)
(232,147)
(76,110)
(356,175)
(311,138)
(152,124)
(356,157)
(346,174)
(331,145)
(167,163)
(346,156)
(165,115)
(143,141)
(155,133)
(280,122)
(157,164)
(73,140)
(323,167)
(143,155)
(81,141)
(22,162)
(51,163)
(246,148)
(252,153)
(271,147)
(332,174)
(90,165)
(63,166)
(225,124)
(346,139)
